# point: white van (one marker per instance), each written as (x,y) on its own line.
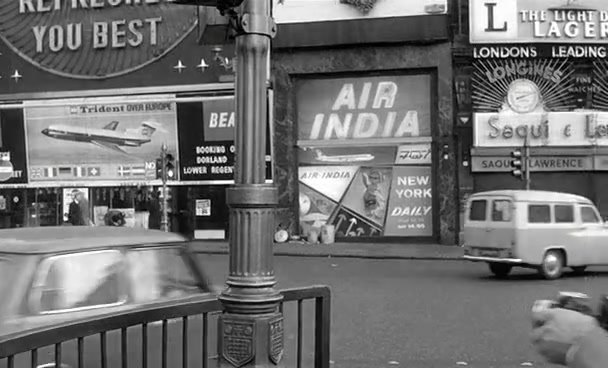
(544,230)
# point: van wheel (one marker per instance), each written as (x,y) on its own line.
(553,265)
(579,270)
(500,270)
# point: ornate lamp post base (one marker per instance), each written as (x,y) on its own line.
(251,341)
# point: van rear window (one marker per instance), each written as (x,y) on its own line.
(501,210)
(539,213)
(478,210)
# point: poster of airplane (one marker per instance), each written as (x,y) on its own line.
(111,140)
(364,155)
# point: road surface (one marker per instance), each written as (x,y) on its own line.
(414,313)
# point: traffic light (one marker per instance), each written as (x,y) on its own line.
(169,167)
(517,163)
(165,165)
(159,168)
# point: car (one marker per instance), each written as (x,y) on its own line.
(53,275)
(544,230)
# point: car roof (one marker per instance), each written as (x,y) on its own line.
(535,196)
(59,239)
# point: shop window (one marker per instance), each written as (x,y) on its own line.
(478,210)
(564,213)
(539,213)
(501,210)
(377,182)
(131,207)
(160,273)
(79,281)
(588,215)
(43,207)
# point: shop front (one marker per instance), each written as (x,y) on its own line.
(365,157)
(366,115)
(87,99)
(538,80)
(206,160)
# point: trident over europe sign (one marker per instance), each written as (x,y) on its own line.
(93,39)
(538,21)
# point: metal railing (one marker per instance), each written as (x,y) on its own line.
(47,347)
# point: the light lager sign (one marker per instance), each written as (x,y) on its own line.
(93,39)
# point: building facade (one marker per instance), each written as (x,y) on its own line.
(89,96)
(364,105)
(361,134)
(532,73)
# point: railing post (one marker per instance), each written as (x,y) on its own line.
(322,330)
(251,328)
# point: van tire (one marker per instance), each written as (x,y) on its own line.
(500,270)
(553,264)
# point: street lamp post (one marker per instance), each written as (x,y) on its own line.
(250,330)
(164,218)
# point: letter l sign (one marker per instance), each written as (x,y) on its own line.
(491,27)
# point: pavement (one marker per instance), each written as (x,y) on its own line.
(352,250)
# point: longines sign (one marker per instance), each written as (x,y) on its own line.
(93,39)
(538,21)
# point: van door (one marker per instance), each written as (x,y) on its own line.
(476,223)
(501,230)
(595,235)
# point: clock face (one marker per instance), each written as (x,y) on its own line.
(523,95)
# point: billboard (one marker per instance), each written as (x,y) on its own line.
(206,140)
(306,11)
(13,168)
(551,129)
(367,201)
(539,21)
(396,106)
(99,138)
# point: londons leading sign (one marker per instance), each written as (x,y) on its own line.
(93,39)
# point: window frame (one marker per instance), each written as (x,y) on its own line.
(486,201)
(564,205)
(551,215)
(593,210)
(186,256)
(510,207)
(43,268)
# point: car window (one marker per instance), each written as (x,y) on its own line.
(79,280)
(501,210)
(478,210)
(564,213)
(588,215)
(10,265)
(539,213)
(160,273)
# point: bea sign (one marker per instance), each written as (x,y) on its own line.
(93,39)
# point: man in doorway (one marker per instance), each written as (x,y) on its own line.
(78,213)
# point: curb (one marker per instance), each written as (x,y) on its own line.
(343,255)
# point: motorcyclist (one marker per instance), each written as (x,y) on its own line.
(569,338)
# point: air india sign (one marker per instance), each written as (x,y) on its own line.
(397,106)
(93,39)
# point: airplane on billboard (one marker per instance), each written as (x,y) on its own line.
(107,137)
(320,156)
